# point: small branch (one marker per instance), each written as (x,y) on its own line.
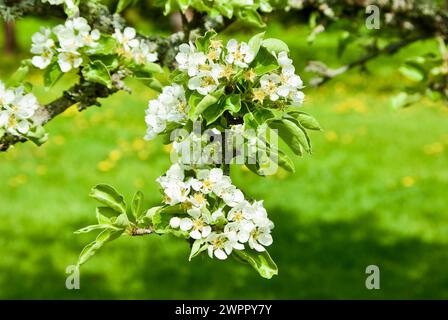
(326,74)
(141,231)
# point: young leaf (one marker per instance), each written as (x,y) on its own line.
(137,204)
(52,74)
(260,261)
(107,195)
(264,62)
(202,43)
(255,42)
(251,16)
(293,135)
(275,45)
(197,247)
(122,221)
(94,227)
(90,249)
(197,109)
(97,72)
(306,120)
(123,4)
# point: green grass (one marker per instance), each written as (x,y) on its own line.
(373,192)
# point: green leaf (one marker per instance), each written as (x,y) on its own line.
(107,195)
(285,161)
(183,5)
(19,75)
(52,74)
(152,83)
(293,134)
(255,42)
(122,221)
(197,247)
(123,4)
(403,100)
(37,135)
(251,16)
(104,215)
(225,8)
(232,103)
(161,216)
(307,121)
(91,249)
(197,108)
(107,45)
(264,62)
(413,72)
(94,227)
(275,45)
(97,72)
(202,43)
(260,261)
(137,203)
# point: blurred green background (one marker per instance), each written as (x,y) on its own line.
(375,191)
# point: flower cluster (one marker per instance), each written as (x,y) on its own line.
(217,213)
(170,106)
(281,85)
(16,110)
(72,41)
(133,48)
(65,41)
(219,64)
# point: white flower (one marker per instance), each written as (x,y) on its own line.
(190,60)
(142,54)
(6,95)
(221,245)
(239,53)
(175,189)
(174,100)
(217,215)
(170,106)
(69,60)
(269,84)
(155,119)
(126,38)
(231,195)
(210,179)
(89,39)
(260,238)
(70,35)
(283,59)
(197,225)
(175,222)
(204,83)
(198,200)
(16,110)
(42,47)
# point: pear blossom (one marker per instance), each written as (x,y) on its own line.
(143,54)
(16,110)
(126,38)
(260,238)
(170,106)
(69,60)
(221,245)
(196,224)
(239,53)
(269,84)
(42,46)
(190,60)
(204,83)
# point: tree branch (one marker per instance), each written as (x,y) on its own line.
(326,74)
